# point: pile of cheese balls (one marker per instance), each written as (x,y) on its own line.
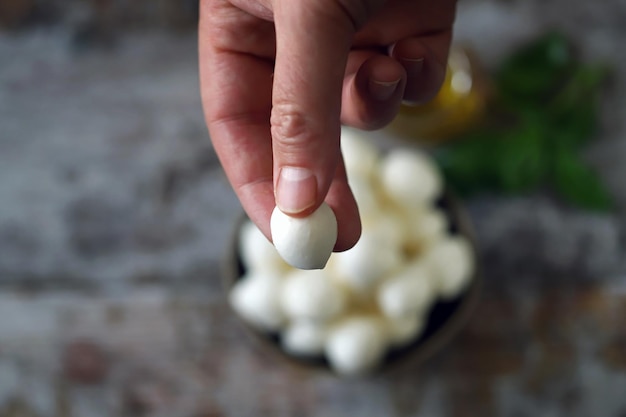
(373,298)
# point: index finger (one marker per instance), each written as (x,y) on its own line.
(313,40)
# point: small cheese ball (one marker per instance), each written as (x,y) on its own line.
(360,156)
(404,330)
(391,230)
(356,345)
(425,228)
(255,298)
(409,293)
(305,242)
(257,253)
(364,266)
(451,262)
(410,178)
(366,200)
(304,338)
(311,295)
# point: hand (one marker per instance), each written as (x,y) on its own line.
(278,77)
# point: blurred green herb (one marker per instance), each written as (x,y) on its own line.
(546,106)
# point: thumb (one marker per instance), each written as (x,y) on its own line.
(313,39)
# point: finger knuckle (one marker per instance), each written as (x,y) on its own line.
(291,126)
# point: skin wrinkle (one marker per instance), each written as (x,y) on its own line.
(261,9)
(355,12)
(291,127)
(218,114)
(232,29)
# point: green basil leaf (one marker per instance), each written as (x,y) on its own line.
(522,160)
(545,111)
(468,164)
(535,70)
(575,128)
(578,184)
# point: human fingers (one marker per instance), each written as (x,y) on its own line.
(313,39)
(339,198)
(372,90)
(236,94)
(424,58)
(418,35)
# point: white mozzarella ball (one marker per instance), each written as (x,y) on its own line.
(256,298)
(356,345)
(410,178)
(312,295)
(408,293)
(366,199)
(427,227)
(391,230)
(451,261)
(364,266)
(304,338)
(359,154)
(258,253)
(404,330)
(305,242)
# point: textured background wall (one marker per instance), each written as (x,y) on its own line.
(114,216)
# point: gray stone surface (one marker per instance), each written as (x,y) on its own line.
(114,218)
(108,173)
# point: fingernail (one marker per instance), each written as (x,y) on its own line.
(413,66)
(383,90)
(296,190)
